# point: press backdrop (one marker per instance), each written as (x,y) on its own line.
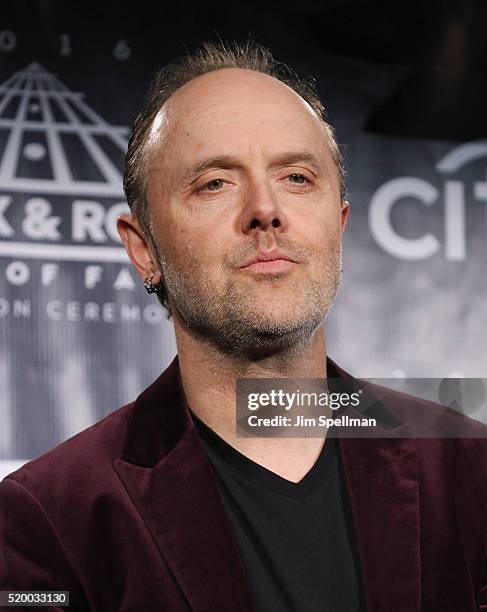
(78,334)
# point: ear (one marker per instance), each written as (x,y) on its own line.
(344,214)
(138,247)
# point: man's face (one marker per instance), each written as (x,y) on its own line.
(242,167)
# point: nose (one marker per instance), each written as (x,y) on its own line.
(262,210)
(256,222)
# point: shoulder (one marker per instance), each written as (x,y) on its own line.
(451,446)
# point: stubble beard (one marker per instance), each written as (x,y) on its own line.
(230,318)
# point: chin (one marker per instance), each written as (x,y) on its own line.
(275,318)
(270,310)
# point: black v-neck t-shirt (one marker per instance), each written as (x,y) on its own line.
(295,539)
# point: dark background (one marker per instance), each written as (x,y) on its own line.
(439,46)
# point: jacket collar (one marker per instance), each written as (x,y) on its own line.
(166,472)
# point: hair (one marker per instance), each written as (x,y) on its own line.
(208,58)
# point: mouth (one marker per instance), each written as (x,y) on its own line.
(269,262)
(274,266)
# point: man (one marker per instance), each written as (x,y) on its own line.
(235,184)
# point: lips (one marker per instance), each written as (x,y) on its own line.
(263,257)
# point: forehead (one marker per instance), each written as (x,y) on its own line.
(236,108)
(222,86)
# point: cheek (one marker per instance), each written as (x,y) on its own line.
(320,232)
(177,238)
(191,247)
(326,246)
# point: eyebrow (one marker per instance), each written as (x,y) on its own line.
(229,161)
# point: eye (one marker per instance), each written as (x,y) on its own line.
(295,177)
(213,185)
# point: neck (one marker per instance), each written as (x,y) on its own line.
(209,384)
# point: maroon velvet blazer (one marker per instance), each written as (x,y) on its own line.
(126,515)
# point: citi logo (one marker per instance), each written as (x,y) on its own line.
(451,196)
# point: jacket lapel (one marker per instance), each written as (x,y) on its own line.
(168,476)
(382,481)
